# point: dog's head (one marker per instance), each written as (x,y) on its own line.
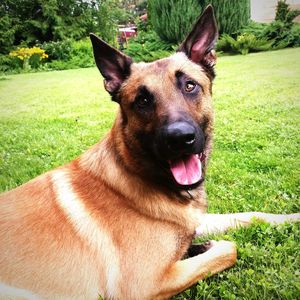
(165,120)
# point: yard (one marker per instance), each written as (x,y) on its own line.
(47,119)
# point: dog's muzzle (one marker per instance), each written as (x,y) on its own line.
(181,144)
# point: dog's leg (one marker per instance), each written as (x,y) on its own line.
(216,223)
(184,273)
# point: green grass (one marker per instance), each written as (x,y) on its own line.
(47,119)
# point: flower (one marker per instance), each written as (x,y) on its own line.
(26,53)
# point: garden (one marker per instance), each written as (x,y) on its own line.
(53,107)
(45,35)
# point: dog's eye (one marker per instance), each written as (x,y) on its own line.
(143,102)
(189,86)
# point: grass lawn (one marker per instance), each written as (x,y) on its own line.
(47,119)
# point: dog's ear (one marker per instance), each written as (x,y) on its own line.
(112,64)
(200,43)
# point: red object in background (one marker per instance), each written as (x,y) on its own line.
(128,32)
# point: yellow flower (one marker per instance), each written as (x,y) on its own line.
(26,53)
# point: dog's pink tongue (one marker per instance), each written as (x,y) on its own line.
(187,171)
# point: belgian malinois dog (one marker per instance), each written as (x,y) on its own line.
(119,220)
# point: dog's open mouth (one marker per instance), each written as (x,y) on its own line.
(188,169)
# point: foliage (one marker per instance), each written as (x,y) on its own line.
(285,14)
(39,21)
(293,38)
(244,43)
(253,28)
(82,53)
(60,50)
(282,37)
(7,32)
(282,9)
(282,32)
(231,15)
(254,165)
(172,20)
(147,46)
(78,54)
(30,57)
(61,55)
(126,11)
(10,64)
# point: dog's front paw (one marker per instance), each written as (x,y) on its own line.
(224,250)
(278,219)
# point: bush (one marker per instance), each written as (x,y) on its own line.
(293,38)
(282,10)
(281,35)
(284,14)
(172,20)
(60,50)
(147,46)
(254,28)
(61,55)
(244,43)
(30,57)
(231,15)
(71,55)
(9,64)
(82,53)
(282,32)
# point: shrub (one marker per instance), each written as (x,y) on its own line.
(254,28)
(282,36)
(293,38)
(173,19)
(82,53)
(284,14)
(30,57)
(10,64)
(231,15)
(147,46)
(60,50)
(244,43)
(62,55)
(71,55)
(226,43)
(282,10)
(282,32)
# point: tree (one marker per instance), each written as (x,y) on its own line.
(38,21)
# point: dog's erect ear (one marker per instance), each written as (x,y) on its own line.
(112,64)
(200,43)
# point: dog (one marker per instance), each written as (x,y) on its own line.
(119,220)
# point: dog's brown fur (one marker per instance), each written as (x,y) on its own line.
(101,225)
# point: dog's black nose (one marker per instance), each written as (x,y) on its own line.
(180,135)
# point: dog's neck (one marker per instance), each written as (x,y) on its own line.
(101,161)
